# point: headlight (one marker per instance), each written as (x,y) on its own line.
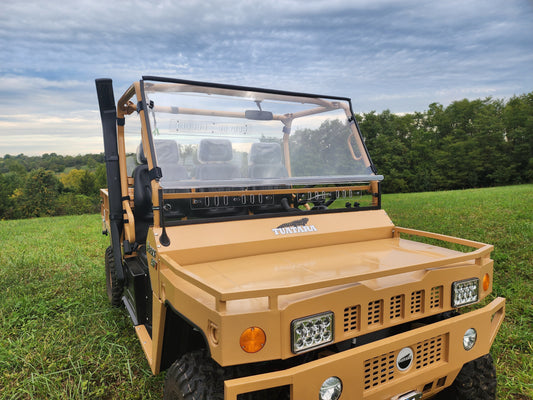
(311,332)
(469,338)
(465,292)
(331,389)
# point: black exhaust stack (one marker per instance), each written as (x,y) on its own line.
(108,114)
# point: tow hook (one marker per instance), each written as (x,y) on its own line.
(413,395)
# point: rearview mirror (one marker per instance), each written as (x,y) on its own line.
(258,115)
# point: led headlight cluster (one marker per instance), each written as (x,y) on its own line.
(310,332)
(465,292)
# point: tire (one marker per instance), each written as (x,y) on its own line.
(194,376)
(113,287)
(477,380)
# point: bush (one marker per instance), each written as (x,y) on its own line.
(75,204)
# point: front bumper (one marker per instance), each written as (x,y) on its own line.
(370,371)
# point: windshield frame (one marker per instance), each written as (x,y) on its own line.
(324,104)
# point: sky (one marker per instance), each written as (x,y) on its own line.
(384,54)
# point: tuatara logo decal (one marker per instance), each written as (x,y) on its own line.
(298,226)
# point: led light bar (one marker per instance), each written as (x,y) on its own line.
(310,332)
(465,292)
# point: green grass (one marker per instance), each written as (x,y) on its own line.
(59,338)
(503,217)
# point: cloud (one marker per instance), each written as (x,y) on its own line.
(385,54)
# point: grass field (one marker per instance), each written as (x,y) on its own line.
(59,339)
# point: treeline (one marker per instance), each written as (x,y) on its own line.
(50,185)
(468,144)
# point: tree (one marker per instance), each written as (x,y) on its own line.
(5,194)
(80,181)
(518,120)
(39,194)
(87,184)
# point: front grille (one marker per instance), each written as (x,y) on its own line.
(392,309)
(379,370)
(396,307)
(351,318)
(382,369)
(375,312)
(435,298)
(417,300)
(428,352)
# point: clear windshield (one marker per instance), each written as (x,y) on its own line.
(217,137)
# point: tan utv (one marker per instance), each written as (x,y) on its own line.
(249,247)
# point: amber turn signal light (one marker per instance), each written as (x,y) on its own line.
(486,282)
(253,339)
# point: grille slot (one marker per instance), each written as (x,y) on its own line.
(396,306)
(428,352)
(379,370)
(435,298)
(375,312)
(351,318)
(382,369)
(417,300)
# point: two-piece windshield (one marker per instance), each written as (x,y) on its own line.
(223,137)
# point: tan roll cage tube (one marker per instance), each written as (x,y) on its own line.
(286,119)
(126,107)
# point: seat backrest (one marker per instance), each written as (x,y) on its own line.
(215,156)
(168,155)
(142,202)
(265,161)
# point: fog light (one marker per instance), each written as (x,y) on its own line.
(469,339)
(331,389)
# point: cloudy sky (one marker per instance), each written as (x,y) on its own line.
(384,54)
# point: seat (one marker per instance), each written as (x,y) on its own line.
(167,154)
(265,161)
(215,156)
(142,200)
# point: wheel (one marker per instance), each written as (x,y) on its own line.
(194,376)
(477,380)
(113,287)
